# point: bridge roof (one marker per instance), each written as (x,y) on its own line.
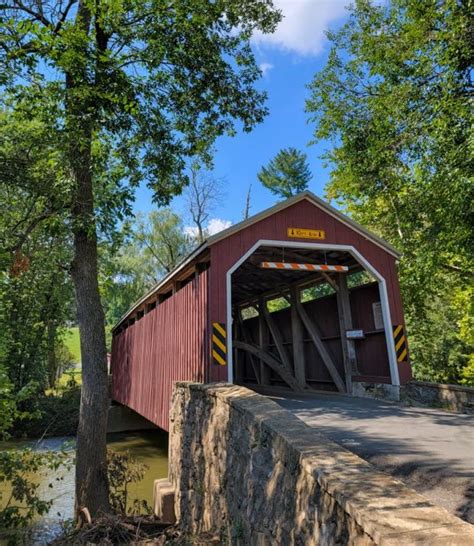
(197,254)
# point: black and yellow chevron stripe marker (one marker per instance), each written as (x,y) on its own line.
(400,338)
(219,343)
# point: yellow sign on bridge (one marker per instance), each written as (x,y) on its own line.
(302,233)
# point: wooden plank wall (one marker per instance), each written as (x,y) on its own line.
(168,344)
(372,358)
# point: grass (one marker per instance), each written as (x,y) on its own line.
(71,339)
(66,377)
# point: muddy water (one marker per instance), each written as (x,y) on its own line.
(147,447)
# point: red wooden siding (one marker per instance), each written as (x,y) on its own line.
(226,252)
(168,344)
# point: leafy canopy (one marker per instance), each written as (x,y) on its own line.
(287,173)
(394,98)
(35,288)
(154,81)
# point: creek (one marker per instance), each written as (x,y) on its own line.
(149,447)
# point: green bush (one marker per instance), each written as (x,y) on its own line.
(122,470)
(55,414)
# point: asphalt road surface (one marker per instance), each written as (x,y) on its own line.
(432,451)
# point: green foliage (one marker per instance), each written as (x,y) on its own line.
(438,351)
(287,173)
(52,414)
(33,308)
(154,82)
(153,246)
(394,99)
(35,289)
(123,470)
(315,292)
(359,278)
(277,304)
(7,404)
(20,499)
(467,373)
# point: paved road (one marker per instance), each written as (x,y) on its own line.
(431,450)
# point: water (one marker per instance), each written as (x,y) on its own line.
(149,447)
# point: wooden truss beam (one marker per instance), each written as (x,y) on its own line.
(345,323)
(315,335)
(277,366)
(248,340)
(277,337)
(263,340)
(298,342)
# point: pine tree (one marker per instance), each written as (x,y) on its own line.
(287,173)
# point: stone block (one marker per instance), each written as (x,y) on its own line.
(163,500)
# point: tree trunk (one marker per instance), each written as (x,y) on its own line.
(91,459)
(92,488)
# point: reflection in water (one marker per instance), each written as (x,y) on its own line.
(149,447)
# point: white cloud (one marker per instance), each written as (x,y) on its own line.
(265,68)
(191,231)
(217,224)
(303,26)
(213,226)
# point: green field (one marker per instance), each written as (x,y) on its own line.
(71,339)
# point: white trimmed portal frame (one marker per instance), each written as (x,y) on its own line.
(387,322)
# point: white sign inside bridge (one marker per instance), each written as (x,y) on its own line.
(355,334)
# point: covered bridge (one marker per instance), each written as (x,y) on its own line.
(298,296)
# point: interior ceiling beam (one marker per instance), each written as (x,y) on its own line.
(277,292)
(250,281)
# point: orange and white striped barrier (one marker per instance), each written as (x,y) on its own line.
(304,267)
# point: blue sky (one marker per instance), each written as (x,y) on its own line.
(289,59)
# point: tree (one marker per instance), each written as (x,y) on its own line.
(154,245)
(287,173)
(202,195)
(128,91)
(394,99)
(35,288)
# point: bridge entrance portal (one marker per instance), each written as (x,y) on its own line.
(308,316)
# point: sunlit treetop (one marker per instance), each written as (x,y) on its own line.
(156,81)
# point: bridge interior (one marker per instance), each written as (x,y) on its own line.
(292,328)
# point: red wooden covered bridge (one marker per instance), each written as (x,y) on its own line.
(298,296)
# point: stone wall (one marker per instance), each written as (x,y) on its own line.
(453,397)
(244,467)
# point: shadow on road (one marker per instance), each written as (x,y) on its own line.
(428,449)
